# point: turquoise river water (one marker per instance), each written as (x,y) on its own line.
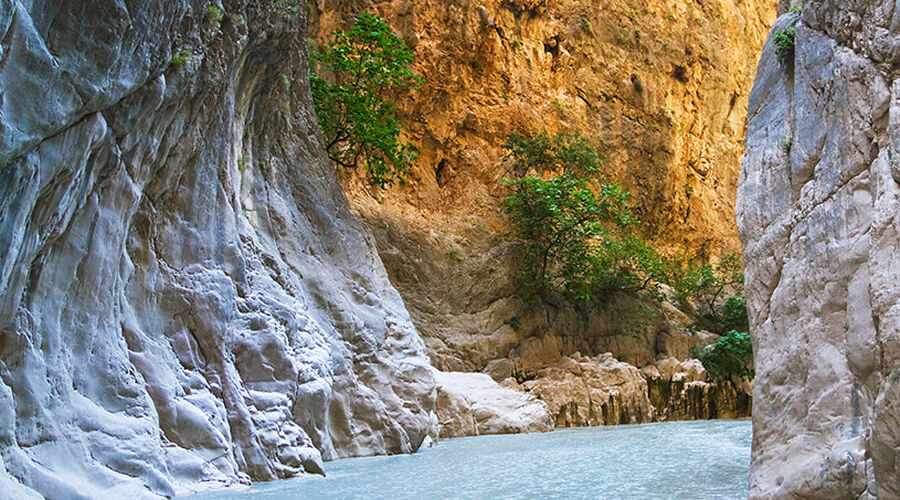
(705,460)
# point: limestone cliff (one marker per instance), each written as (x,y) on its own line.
(660,87)
(818,213)
(184,295)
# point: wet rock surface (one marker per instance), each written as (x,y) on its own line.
(681,390)
(581,391)
(185,299)
(817,211)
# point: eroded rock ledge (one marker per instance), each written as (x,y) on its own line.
(539,388)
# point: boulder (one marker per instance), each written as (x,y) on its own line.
(582,391)
(473,404)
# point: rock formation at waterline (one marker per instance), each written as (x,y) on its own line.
(184,296)
(537,386)
(473,404)
(818,213)
(584,390)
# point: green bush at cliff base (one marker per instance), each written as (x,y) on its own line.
(730,357)
(576,240)
(714,291)
(579,243)
(350,78)
(734,313)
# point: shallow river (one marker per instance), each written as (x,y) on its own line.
(706,460)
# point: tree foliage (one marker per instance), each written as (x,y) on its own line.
(561,153)
(577,243)
(716,290)
(784,44)
(561,222)
(730,357)
(350,78)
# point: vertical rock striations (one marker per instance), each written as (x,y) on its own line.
(184,296)
(817,210)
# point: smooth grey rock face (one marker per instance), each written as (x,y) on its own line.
(818,209)
(184,296)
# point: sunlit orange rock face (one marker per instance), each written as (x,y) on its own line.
(660,88)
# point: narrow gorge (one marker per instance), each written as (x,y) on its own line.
(186,298)
(197,294)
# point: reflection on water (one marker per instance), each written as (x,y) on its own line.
(705,460)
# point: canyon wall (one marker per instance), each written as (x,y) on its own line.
(659,87)
(184,294)
(818,213)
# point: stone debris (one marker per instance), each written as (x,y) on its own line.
(473,404)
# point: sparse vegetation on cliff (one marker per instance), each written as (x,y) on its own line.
(579,243)
(541,153)
(560,221)
(350,78)
(784,44)
(215,16)
(183,56)
(715,290)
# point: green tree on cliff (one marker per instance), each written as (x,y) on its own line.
(715,290)
(351,77)
(576,241)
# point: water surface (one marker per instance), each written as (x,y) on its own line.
(706,460)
